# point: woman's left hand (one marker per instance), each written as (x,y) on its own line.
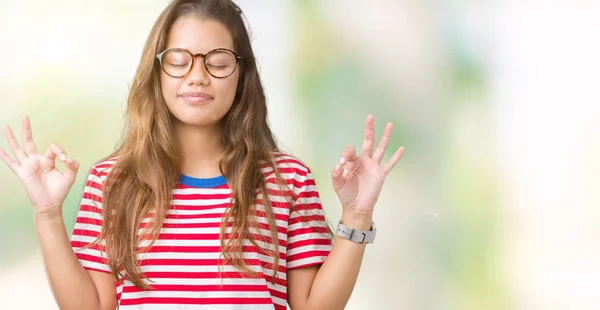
(357,180)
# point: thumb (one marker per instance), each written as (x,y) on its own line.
(337,180)
(347,158)
(71,172)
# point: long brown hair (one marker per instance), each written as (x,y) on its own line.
(132,191)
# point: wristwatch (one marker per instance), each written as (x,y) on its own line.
(355,235)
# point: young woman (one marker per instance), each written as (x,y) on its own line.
(198,208)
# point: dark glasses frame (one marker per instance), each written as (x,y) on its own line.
(204,56)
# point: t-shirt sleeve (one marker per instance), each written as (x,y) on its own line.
(88,225)
(308,239)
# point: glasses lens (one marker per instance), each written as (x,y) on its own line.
(220,63)
(176,63)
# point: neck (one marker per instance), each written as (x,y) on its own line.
(200,149)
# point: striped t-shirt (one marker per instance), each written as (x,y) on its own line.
(183,264)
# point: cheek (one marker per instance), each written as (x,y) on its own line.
(228,89)
(169,87)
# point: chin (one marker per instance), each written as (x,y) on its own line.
(193,119)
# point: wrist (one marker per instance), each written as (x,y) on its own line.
(49,214)
(358,221)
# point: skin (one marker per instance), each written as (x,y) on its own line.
(199,122)
(357,180)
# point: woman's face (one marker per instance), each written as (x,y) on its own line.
(199,99)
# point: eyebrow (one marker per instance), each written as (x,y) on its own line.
(214,48)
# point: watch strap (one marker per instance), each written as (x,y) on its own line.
(356,235)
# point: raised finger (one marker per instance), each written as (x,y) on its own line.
(382,145)
(14,144)
(28,143)
(394,160)
(9,161)
(369,141)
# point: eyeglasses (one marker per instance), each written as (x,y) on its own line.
(178,62)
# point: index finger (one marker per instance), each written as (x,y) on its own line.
(28,143)
(369,141)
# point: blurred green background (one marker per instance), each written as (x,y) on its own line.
(493,206)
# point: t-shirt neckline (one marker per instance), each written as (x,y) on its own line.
(202,182)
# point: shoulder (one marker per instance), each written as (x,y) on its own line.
(293,172)
(102,168)
(286,163)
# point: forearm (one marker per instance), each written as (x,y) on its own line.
(71,284)
(336,278)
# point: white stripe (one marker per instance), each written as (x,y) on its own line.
(215,230)
(86,239)
(306,213)
(199,202)
(213,281)
(309,248)
(311,224)
(196,307)
(279,187)
(90,202)
(280,301)
(94,265)
(306,261)
(203,191)
(261,219)
(210,268)
(309,236)
(215,210)
(93,190)
(91,252)
(92,227)
(207,294)
(273,198)
(216,242)
(204,281)
(308,200)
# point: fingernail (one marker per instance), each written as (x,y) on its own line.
(342,160)
(63,157)
(337,167)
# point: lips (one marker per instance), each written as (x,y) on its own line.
(196,97)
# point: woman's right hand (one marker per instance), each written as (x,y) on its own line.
(46,187)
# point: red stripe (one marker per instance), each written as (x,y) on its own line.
(199,288)
(308,194)
(297,184)
(295,257)
(93,184)
(91,258)
(88,220)
(307,230)
(197,301)
(199,208)
(93,197)
(89,208)
(98,270)
(79,244)
(208,275)
(278,294)
(306,242)
(207,236)
(183,186)
(306,219)
(84,232)
(200,196)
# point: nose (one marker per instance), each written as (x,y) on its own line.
(198,74)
